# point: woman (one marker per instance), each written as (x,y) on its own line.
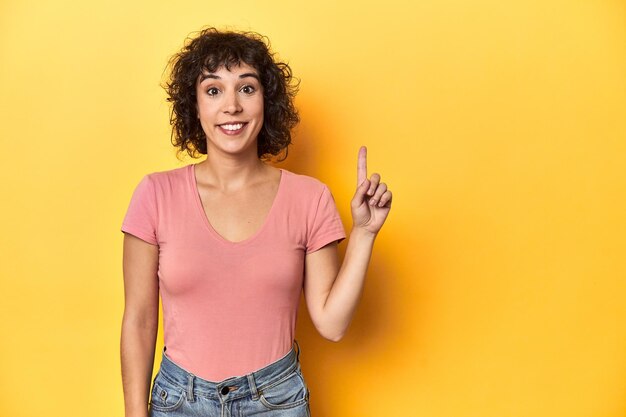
(230,242)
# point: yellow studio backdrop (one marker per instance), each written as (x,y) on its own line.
(497,286)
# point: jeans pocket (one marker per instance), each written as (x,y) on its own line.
(166,396)
(289,392)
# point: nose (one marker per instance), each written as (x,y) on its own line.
(231,103)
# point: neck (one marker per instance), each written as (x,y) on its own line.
(229,172)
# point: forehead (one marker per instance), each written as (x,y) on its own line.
(232,72)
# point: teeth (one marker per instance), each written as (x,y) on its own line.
(233,127)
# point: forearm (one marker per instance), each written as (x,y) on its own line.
(137,356)
(348,286)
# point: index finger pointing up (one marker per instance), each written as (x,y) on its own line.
(361,168)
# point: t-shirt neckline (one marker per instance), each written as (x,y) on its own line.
(191,177)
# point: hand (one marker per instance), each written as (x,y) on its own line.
(372,200)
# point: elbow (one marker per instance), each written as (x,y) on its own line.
(336,337)
(147,321)
(332,331)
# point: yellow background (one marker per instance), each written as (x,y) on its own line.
(497,285)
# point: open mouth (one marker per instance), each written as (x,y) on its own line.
(232,128)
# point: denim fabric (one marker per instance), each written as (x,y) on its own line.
(279,389)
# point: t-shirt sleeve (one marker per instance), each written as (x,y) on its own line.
(326,226)
(142,217)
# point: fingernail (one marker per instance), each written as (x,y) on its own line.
(372,202)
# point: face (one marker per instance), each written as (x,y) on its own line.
(230,108)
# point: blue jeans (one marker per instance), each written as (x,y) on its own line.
(279,389)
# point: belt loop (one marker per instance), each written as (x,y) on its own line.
(253,390)
(190,396)
(298,351)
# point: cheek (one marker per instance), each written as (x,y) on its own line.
(261,111)
(204,120)
(260,106)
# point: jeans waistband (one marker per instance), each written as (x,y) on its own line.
(234,387)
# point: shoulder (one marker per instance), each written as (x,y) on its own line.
(304,183)
(170,177)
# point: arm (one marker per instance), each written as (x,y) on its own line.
(332,294)
(332,297)
(139,324)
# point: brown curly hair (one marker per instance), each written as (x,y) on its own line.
(212,49)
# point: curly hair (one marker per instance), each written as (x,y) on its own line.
(212,49)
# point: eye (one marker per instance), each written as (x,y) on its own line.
(212,91)
(248,89)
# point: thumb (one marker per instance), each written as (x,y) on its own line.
(359,195)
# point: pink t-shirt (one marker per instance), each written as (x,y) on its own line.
(230,308)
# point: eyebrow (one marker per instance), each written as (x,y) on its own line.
(216,77)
